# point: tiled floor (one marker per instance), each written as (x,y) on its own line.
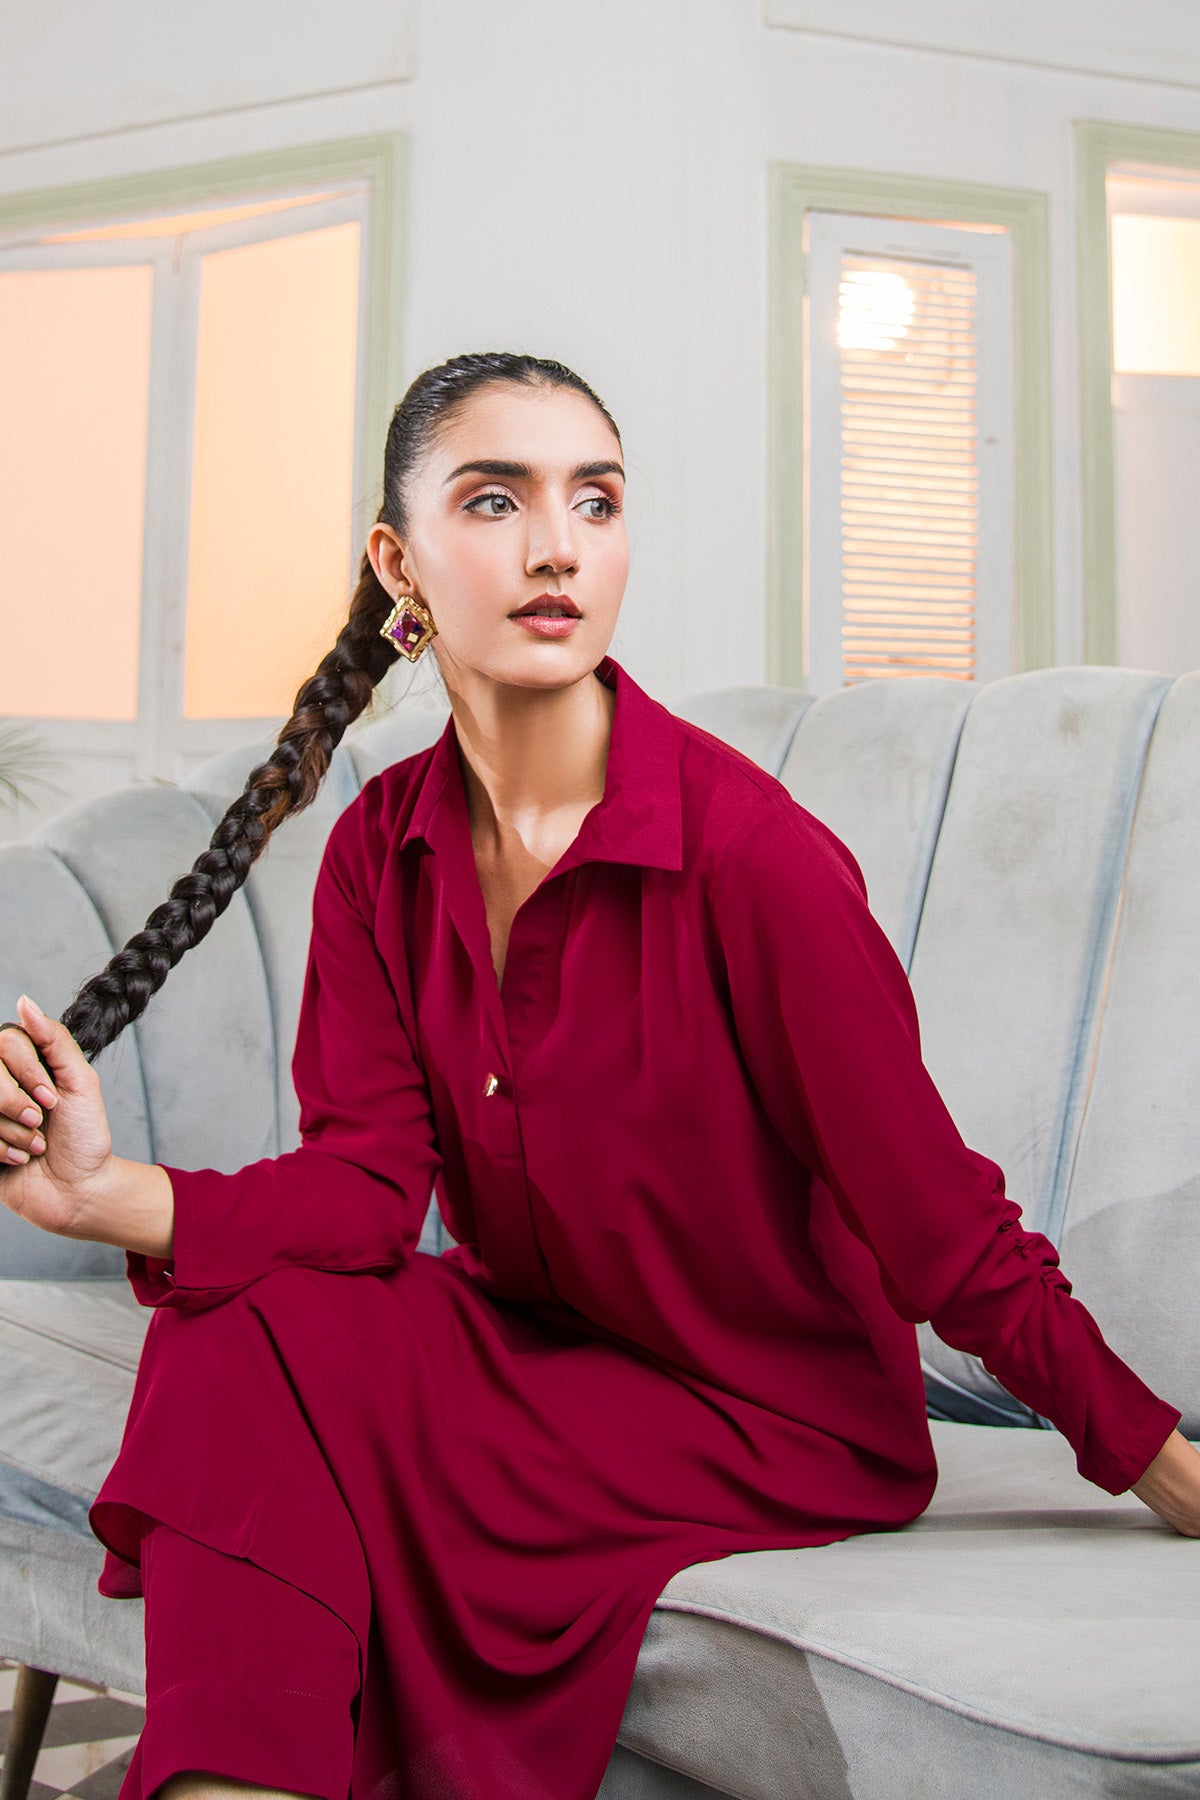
(89,1739)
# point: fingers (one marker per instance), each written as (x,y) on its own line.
(39,1063)
(12,1139)
(21,1117)
(68,1067)
(19,1052)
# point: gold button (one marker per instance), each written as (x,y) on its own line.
(490,1085)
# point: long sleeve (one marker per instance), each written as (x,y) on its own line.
(354,1194)
(828,1026)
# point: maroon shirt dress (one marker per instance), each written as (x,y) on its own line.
(702,1187)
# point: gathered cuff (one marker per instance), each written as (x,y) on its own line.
(152,1278)
(1115,1468)
(162,1280)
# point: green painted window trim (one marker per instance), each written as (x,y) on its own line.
(1097,144)
(795,189)
(379,158)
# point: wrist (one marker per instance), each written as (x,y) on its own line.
(1171,1485)
(130,1205)
(92,1203)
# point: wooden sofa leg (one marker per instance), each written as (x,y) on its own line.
(30,1710)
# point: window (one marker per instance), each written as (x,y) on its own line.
(911,443)
(909,450)
(1154,231)
(1154,234)
(1156,286)
(183,401)
(74,404)
(1138,235)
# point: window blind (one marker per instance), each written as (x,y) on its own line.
(908,352)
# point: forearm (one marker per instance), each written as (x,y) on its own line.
(131,1205)
(1017,1313)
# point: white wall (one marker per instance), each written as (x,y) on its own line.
(1156,433)
(590,183)
(75,70)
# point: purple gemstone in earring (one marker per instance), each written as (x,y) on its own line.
(410,627)
(407,629)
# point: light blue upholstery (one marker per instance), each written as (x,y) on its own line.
(1130,1198)
(1032,848)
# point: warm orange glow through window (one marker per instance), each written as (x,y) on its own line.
(74,393)
(177,222)
(269,556)
(1155,295)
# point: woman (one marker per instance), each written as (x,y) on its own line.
(594,977)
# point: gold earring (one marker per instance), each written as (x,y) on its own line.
(409,626)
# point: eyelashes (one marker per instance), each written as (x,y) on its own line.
(613,506)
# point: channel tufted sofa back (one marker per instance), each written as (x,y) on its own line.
(1030,845)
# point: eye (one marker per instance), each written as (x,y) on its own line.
(492,494)
(612,506)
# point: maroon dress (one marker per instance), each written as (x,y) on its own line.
(702,1187)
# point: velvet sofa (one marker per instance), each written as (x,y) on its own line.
(1032,847)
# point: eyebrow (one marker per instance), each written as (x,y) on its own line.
(516,471)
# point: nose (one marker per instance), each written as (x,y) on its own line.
(552,543)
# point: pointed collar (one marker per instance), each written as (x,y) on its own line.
(636,821)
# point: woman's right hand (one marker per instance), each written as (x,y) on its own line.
(50,1185)
(1171,1485)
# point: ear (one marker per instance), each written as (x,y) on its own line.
(391,560)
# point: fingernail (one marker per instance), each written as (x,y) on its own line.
(29,1116)
(15,1155)
(33,1007)
(45,1095)
(37,1143)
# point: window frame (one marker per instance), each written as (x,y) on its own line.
(367,176)
(1097,144)
(793,191)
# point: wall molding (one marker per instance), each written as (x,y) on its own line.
(1154,41)
(74,72)
(1097,144)
(795,189)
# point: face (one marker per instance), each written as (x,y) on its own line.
(483,541)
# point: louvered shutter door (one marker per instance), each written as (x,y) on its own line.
(910,379)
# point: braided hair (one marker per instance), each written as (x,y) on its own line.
(325,705)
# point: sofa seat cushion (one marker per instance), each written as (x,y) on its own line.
(68,1359)
(53,1616)
(1028,1634)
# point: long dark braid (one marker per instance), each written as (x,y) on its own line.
(326,704)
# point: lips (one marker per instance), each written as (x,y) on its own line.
(548,606)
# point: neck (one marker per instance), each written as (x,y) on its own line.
(532,756)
